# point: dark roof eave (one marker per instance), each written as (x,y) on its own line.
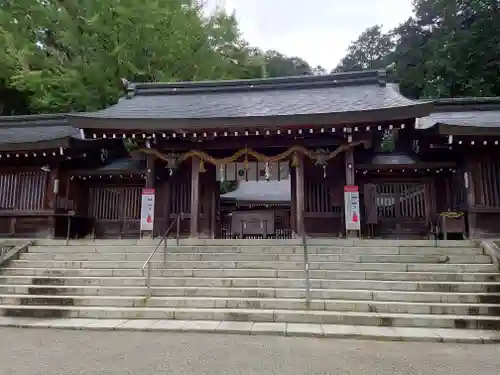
(47,119)
(419,165)
(454,129)
(65,142)
(100,172)
(325,119)
(247,201)
(40,145)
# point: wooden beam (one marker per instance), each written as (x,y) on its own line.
(195,196)
(274,141)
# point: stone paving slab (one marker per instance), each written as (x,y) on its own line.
(377,333)
(459,336)
(235,327)
(168,325)
(105,324)
(261,328)
(137,325)
(62,323)
(299,329)
(269,329)
(417,334)
(201,326)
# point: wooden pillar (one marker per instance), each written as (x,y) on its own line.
(53,187)
(195,196)
(469,188)
(350,180)
(150,184)
(150,174)
(167,203)
(349,167)
(293,208)
(52,193)
(299,196)
(213,208)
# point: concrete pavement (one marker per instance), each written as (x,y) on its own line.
(71,352)
(475,336)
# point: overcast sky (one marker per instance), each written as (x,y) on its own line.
(317,30)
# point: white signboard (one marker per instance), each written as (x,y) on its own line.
(147,209)
(351,198)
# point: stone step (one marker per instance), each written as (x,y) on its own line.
(235,257)
(256,292)
(298,250)
(262,242)
(424,286)
(401,267)
(493,275)
(260,315)
(256,273)
(254,303)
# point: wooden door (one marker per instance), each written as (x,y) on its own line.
(397,209)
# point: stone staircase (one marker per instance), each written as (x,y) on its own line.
(353,282)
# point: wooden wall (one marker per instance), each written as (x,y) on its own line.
(25,203)
(114,207)
(484,195)
(323,198)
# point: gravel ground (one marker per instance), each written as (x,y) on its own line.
(54,352)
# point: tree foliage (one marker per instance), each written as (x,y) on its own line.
(69,55)
(446,49)
(370,51)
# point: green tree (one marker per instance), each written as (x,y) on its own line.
(71,55)
(447,49)
(370,51)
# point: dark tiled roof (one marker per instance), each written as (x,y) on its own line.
(465,112)
(261,191)
(35,128)
(254,99)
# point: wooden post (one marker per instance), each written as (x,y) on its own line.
(195,196)
(53,187)
(167,203)
(215,190)
(150,174)
(350,180)
(299,194)
(150,184)
(293,208)
(349,167)
(469,188)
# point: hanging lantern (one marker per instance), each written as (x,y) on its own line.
(202,166)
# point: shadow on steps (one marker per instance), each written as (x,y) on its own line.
(43,312)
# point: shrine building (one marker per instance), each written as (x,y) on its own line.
(351,155)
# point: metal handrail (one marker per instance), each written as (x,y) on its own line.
(163,240)
(306,262)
